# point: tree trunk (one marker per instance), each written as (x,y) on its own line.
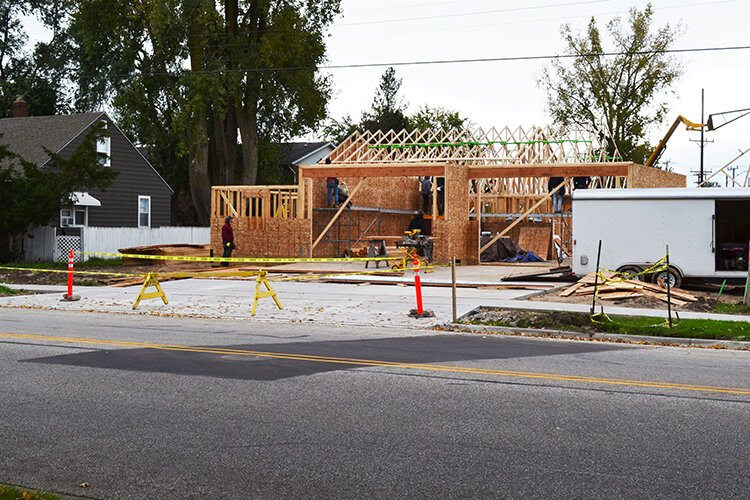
(200,186)
(248,120)
(225,145)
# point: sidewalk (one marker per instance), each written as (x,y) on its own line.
(356,304)
(340,303)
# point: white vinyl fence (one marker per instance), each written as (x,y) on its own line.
(45,243)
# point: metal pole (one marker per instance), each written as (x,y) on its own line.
(747,282)
(596,277)
(453,284)
(669,291)
(700,175)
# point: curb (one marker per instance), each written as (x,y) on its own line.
(599,337)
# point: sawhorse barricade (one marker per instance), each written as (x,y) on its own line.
(143,294)
(151,280)
(270,292)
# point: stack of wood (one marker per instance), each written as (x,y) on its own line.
(612,287)
(182,250)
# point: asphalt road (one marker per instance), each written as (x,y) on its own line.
(152,407)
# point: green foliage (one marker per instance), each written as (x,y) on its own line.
(388,112)
(627,325)
(13,493)
(6,292)
(623,94)
(388,109)
(240,53)
(436,118)
(38,75)
(31,196)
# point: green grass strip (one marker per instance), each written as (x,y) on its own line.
(13,493)
(5,291)
(625,325)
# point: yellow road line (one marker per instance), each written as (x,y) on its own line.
(379,363)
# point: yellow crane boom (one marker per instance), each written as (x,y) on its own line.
(663,143)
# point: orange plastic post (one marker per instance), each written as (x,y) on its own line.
(418,285)
(71,259)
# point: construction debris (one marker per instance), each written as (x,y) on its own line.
(177,250)
(614,286)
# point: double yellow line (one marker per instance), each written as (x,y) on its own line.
(378,363)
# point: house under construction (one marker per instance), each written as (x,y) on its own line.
(484,182)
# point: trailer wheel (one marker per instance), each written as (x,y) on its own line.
(631,270)
(675,279)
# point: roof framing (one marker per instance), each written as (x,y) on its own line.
(551,144)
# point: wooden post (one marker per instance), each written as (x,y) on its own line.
(478,211)
(596,277)
(669,292)
(453,285)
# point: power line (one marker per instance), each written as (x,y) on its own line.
(476,13)
(443,61)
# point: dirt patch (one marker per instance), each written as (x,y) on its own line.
(706,299)
(54,277)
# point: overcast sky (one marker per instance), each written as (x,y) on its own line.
(505,92)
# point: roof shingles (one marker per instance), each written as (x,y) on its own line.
(27,137)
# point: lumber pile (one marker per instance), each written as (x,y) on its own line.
(612,287)
(181,250)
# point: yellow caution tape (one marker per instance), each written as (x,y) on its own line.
(186,258)
(658,266)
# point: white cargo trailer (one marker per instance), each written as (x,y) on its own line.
(707,230)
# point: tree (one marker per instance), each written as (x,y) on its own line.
(436,118)
(45,190)
(39,75)
(388,112)
(621,94)
(202,70)
(388,109)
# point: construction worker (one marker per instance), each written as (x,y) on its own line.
(418,222)
(227,239)
(426,190)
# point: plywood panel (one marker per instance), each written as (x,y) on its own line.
(276,237)
(536,239)
(640,176)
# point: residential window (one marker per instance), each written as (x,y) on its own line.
(104,147)
(144,211)
(73,217)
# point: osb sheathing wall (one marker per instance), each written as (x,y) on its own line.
(275,237)
(384,192)
(456,236)
(640,176)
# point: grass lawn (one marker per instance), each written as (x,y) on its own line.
(13,493)
(724,308)
(639,325)
(5,291)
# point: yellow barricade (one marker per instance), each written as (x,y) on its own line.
(143,294)
(270,292)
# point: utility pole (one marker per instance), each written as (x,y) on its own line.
(703,144)
(726,179)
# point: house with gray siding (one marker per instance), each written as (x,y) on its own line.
(139,197)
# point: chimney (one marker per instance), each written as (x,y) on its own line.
(20,108)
